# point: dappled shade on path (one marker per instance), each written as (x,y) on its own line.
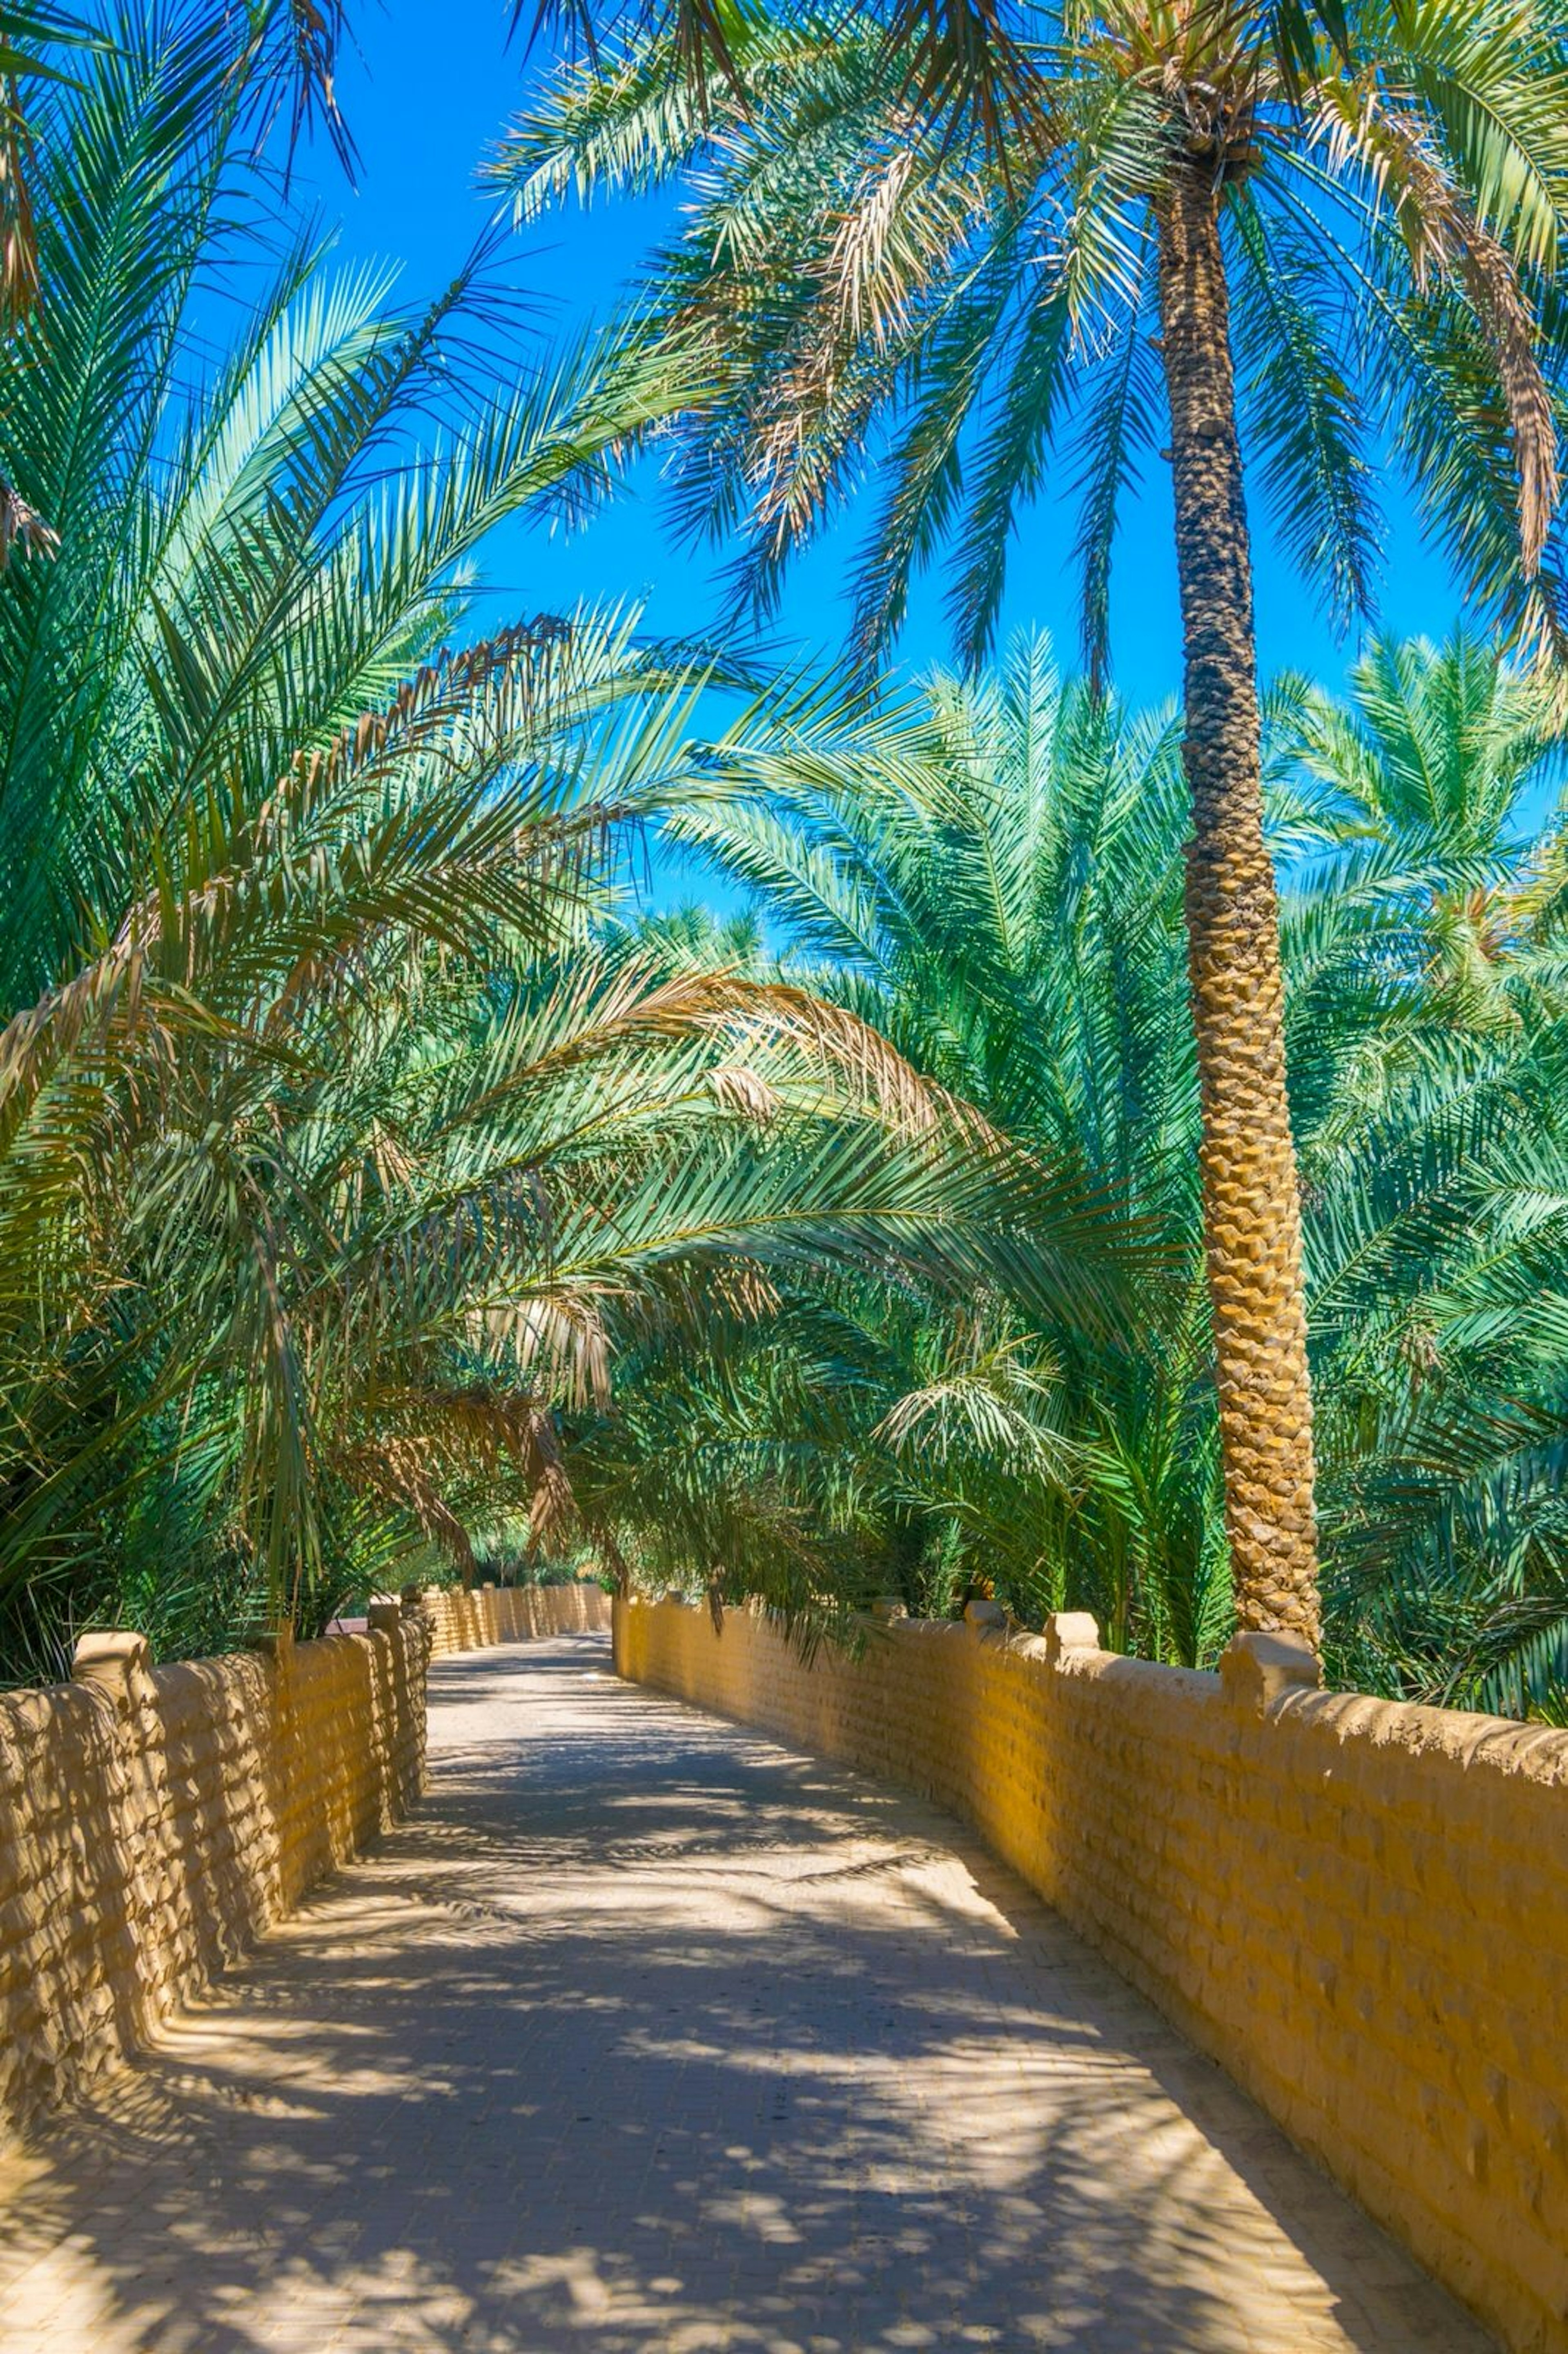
(648,2035)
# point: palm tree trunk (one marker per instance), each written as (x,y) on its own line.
(1252,1216)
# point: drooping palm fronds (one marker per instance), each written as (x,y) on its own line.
(988,256)
(1010,915)
(336,1157)
(859,253)
(1006,909)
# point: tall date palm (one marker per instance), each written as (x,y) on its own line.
(1009,917)
(1296,236)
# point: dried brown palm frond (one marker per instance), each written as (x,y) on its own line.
(313,35)
(1447,240)
(433,1451)
(746,1091)
(23,529)
(852,1057)
(558,1338)
(489,687)
(970,72)
(18,234)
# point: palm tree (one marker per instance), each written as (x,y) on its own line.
(1009,917)
(342,1148)
(1009,914)
(1293,231)
(327,1147)
(1423,951)
(1440,759)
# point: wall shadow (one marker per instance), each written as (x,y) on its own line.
(649,2034)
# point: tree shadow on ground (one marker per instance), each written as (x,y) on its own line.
(648,2034)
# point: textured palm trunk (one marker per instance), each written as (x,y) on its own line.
(1252,1218)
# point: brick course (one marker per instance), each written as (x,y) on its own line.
(511,1613)
(152,1825)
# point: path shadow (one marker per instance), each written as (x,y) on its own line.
(649,2034)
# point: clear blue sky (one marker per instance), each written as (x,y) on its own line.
(431,91)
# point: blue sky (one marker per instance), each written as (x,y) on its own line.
(430,93)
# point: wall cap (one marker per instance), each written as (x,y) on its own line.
(118,1660)
(1256,1668)
(1070,1630)
(277,1644)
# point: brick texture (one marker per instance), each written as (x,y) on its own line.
(151,1826)
(1361,1909)
(511,1613)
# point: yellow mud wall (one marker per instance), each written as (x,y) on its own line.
(467,1621)
(1361,1909)
(153,1824)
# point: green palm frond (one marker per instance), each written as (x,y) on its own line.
(1002,901)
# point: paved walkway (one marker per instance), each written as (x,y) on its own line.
(651,2035)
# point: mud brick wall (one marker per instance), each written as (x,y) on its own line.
(1359,1908)
(153,1824)
(467,1621)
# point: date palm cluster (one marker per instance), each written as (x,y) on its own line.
(963,256)
(1010,917)
(342,1140)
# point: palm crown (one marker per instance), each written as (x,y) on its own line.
(1011,917)
(981,287)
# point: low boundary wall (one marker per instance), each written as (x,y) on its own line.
(1359,1908)
(467,1620)
(152,1825)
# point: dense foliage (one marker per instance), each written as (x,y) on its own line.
(1011,918)
(975,255)
(333,1141)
